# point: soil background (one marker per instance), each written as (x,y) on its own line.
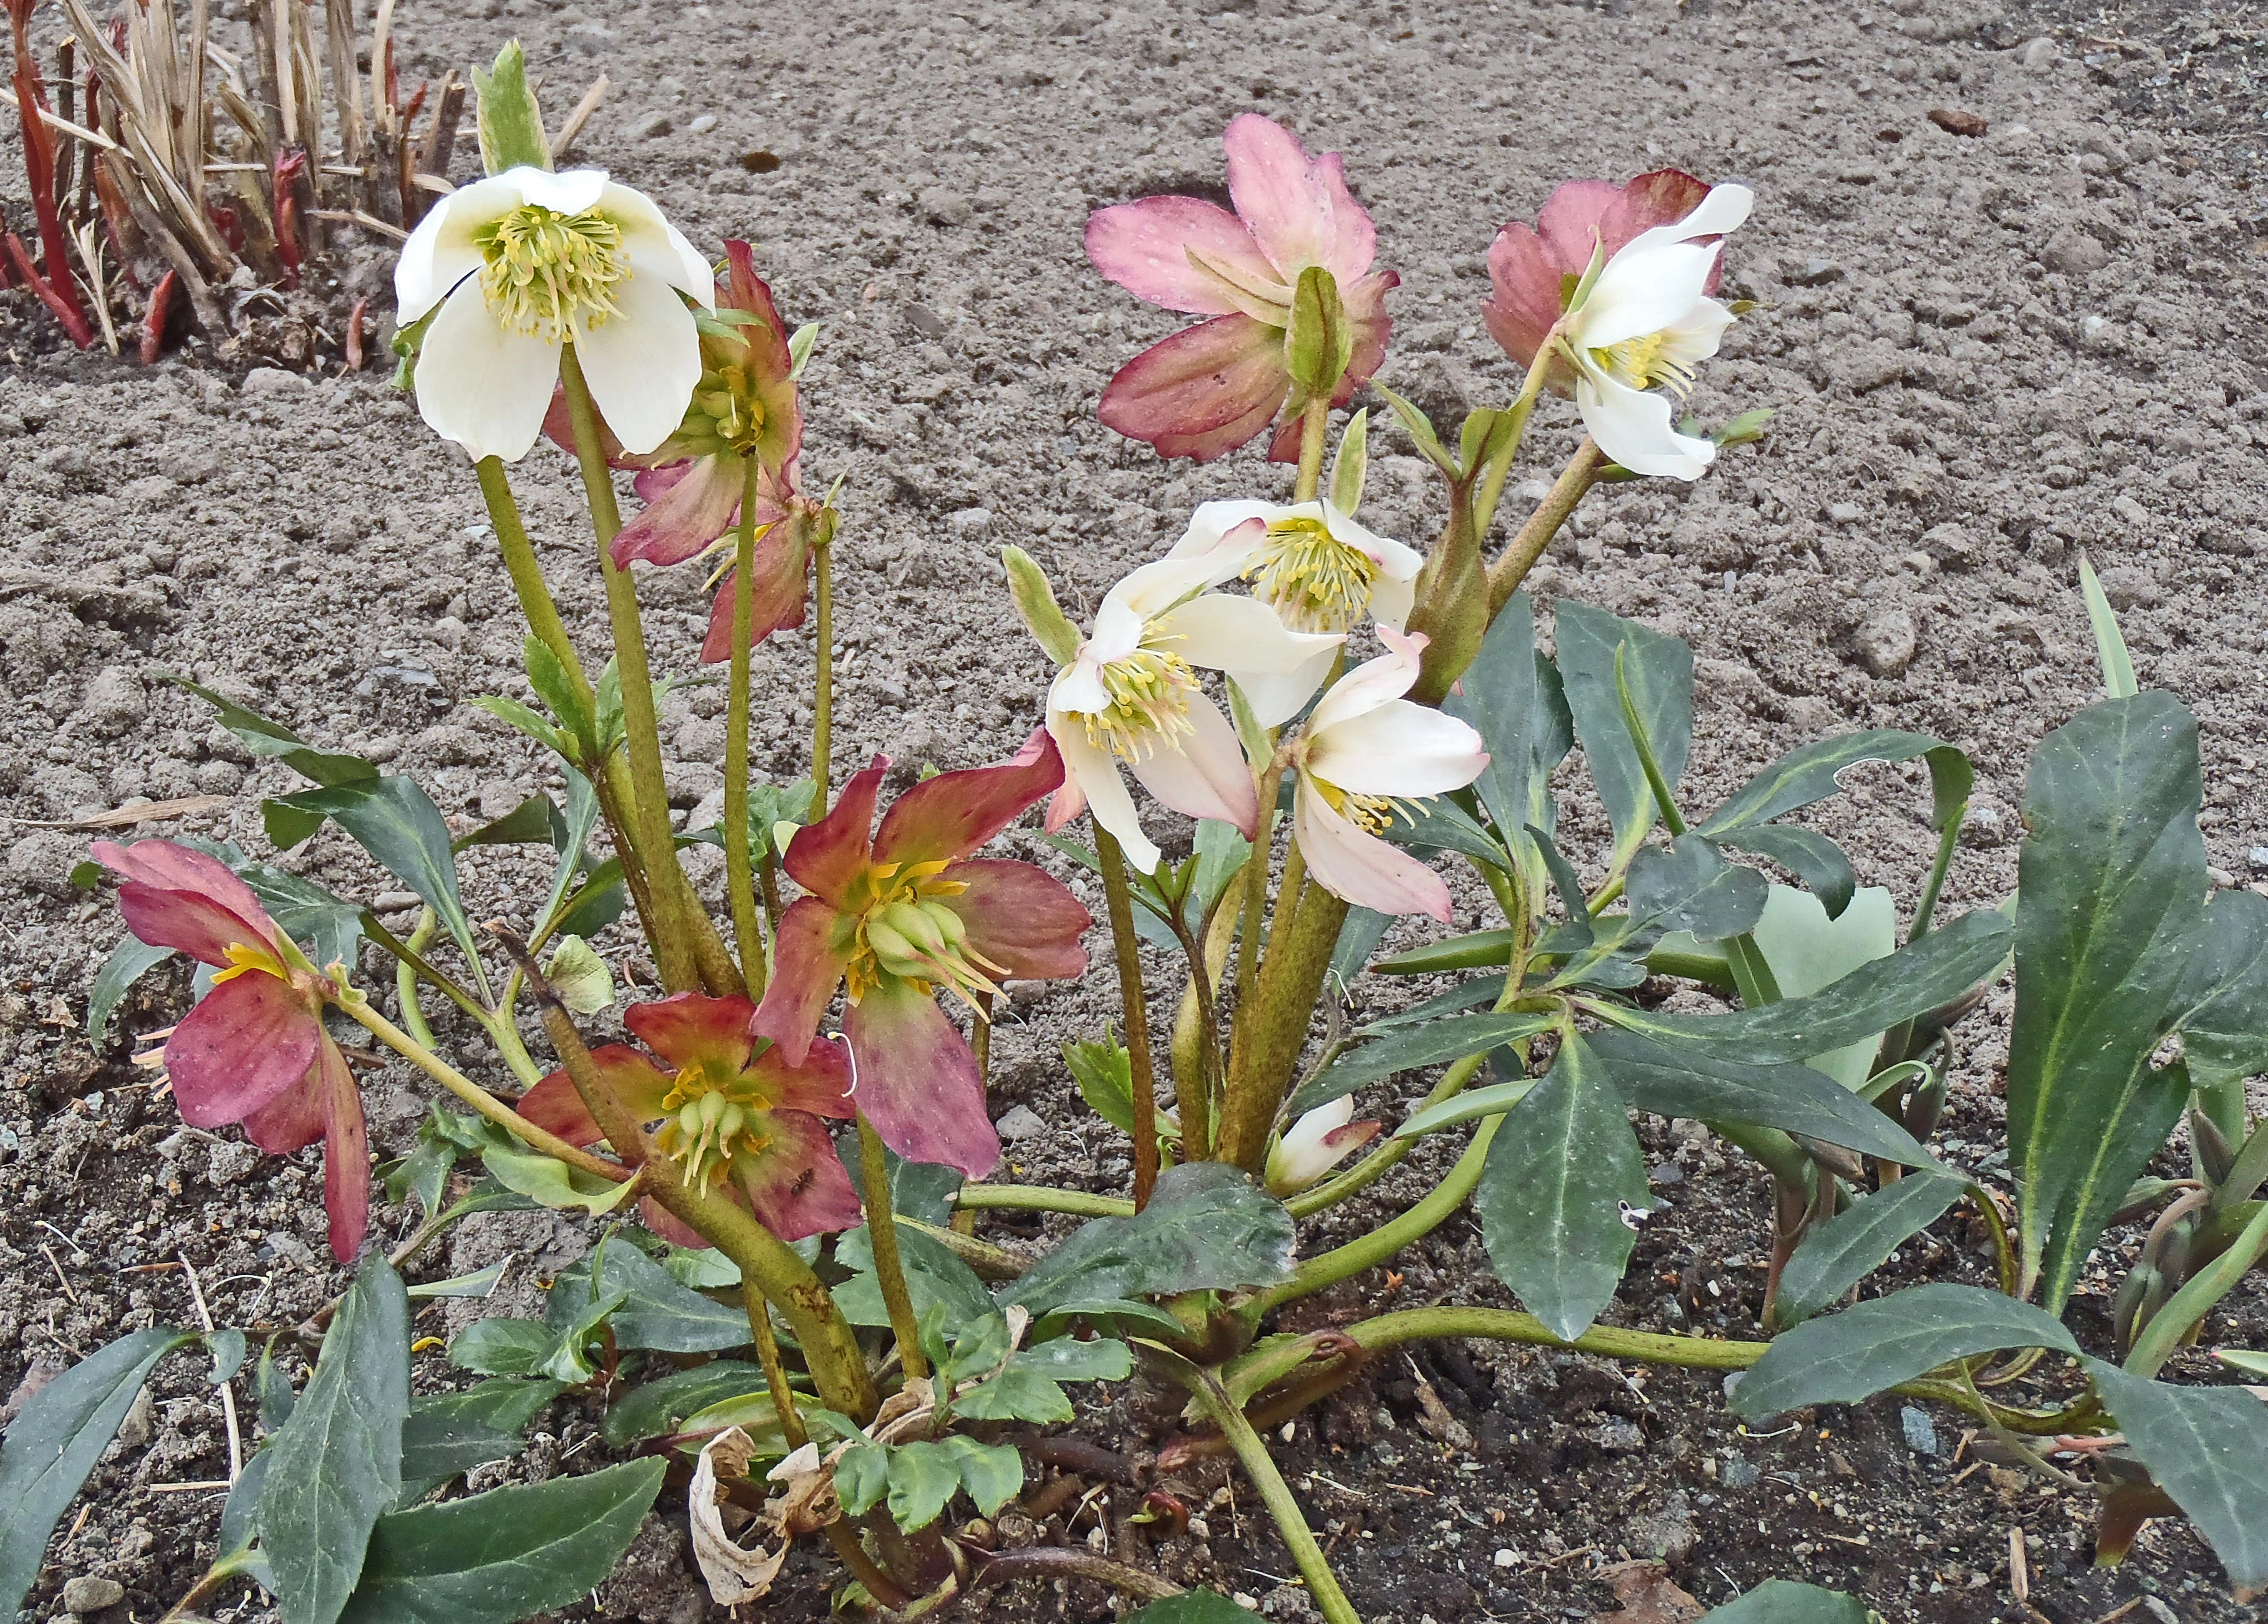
(1989,354)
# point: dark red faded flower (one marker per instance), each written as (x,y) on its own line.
(1208,389)
(253,1051)
(733,1110)
(894,915)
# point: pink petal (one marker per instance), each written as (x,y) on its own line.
(768,360)
(826,857)
(293,1120)
(1660,197)
(188,920)
(1201,393)
(1361,868)
(692,511)
(1298,209)
(954,813)
(251,1038)
(559,428)
(554,1104)
(798,1186)
(1525,281)
(783,578)
(1021,919)
(1144,246)
(917,1082)
(174,867)
(806,968)
(821,1085)
(692,1029)
(346,1155)
(1206,777)
(664,1223)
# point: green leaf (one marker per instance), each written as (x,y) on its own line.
(505,1555)
(1842,1358)
(1659,670)
(341,1452)
(862,1476)
(1015,1394)
(509,122)
(450,1432)
(1688,886)
(1552,1194)
(993,1473)
(1320,341)
(922,1478)
(922,1190)
(1353,463)
(550,1183)
(519,718)
(2112,874)
(1420,429)
(1105,1075)
(275,741)
(129,962)
(580,977)
(563,698)
(937,1279)
(799,344)
(1408,1048)
(1112,1314)
(399,825)
(1808,952)
(2222,1004)
(652,1408)
(1928,972)
(55,1439)
(479,1283)
(656,1311)
(2110,643)
(1208,1227)
(1784,1601)
(1810,774)
(533,822)
(1359,934)
(503,1345)
(1067,1359)
(2244,1359)
(1480,949)
(1499,696)
(1470,1106)
(2207,1447)
(1703,1085)
(1810,856)
(1854,1244)
(1441,825)
(1035,598)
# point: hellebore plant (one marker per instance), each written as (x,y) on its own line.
(891,1335)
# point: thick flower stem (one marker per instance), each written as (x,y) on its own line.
(1261,1071)
(740,862)
(823,680)
(1314,429)
(1135,1010)
(768,1355)
(1529,544)
(1252,1455)
(882,1239)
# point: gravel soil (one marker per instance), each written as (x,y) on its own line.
(1989,353)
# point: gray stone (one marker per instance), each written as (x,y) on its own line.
(90,1594)
(1738,1474)
(704,124)
(652,124)
(1887,642)
(2039,55)
(270,383)
(2258,858)
(2072,252)
(970,520)
(1920,1431)
(1022,1123)
(1667,1535)
(115,701)
(1621,1437)
(2126,587)
(41,863)
(1984,826)
(945,207)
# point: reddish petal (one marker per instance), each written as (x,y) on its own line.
(686,515)
(1299,208)
(293,1120)
(1661,197)
(250,1039)
(1144,246)
(1020,917)
(659,1219)
(917,1082)
(1202,392)
(826,857)
(173,868)
(559,428)
(821,1085)
(954,813)
(556,1104)
(783,578)
(188,920)
(796,1186)
(1366,308)
(692,1029)
(346,1155)
(769,358)
(1573,221)
(806,971)
(1525,280)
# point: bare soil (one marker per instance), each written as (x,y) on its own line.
(1988,353)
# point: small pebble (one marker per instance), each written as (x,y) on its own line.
(90,1594)
(704,124)
(1507,1558)
(1021,1124)
(1739,1474)
(1921,1432)
(2258,858)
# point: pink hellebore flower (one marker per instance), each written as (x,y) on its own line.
(1205,391)
(1315,1144)
(253,1051)
(732,1109)
(896,914)
(1365,749)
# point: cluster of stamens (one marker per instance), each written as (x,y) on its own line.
(1368,813)
(726,396)
(1313,580)
(1149,704)
(547,271)
(707,1127)
(909,932)
(244,957)
(1644,362)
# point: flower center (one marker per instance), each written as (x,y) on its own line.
(1313,580)
(708,1126)
(1644,362)
(547,271)
(242,956)
(1368,813)
(909,932)
(1149,694)
(730,410)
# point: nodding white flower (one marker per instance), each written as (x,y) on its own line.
(1646,324)
(1367,749)
(1315,1144)
(1131,696)
(526,261)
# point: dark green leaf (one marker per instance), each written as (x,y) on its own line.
(399,825)
(129,962)
(937,1279)
(449,1433)
(1067,1359)
(2207,1447)
(862,1476)
(533,822)
(1854,1244)
(1207,1226)
(1807,775)
(329,925)
(653,1408)
(1842,1358)
(1562,1172)
(53,1442)
(239,1513)
(1359,934)
(922,1478)
(505,1555)
(992,1472)
(1473,992)
(922,1190)
(1408,1048)
(1107,1314)
(273,740)
(1498,696)
(1810,856)
(1414,424)
(1784,1601)
(1482,949)
(341,1452)
(1442,825)
(1659,672)
(520,719)
(2221,1005)
(1688,886)
(1579,928)
(659,1313)
(561,696)
(2112,876)
(1015,1394)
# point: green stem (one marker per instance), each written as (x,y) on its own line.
(822,685)
(1261,1068)
(1134,1010)
(1040,1199)
(882,1237)
(995,1263)
(1752,974)
(1252,1453)
(2189,1306)
(740,862)
(1534,536)
(528,582)
(405,978)
(768,1356)
(1927,908)
(1314,427)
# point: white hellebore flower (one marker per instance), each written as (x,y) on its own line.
(1315,1144)
(524,262)
(1316,567)
(1131,695)
(1644,326)
(1366,748)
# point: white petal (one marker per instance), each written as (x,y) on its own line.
(1369,685)
(1643,294)
(642,362)
(1078,686)
(569,191)
(1096,771)
(1207,776)
(1392,600)
(1634,428)
(1361,868)
(656,248)
(1399,749)
(1724,210)
(1695,339)
(1275,696)
(480,384)
(1395,560)
(1213,521)
(441,252)
(1142,596)
(1222,632)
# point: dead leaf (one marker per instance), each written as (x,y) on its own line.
(126,817)
(1959,121)
(734,1573)
(1646,1595)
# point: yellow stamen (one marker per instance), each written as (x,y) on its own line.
(1368,813)
(1149,704)
(547,271)
(1313,581)
(1643,362)
(243,957)
(905,930)
(712,1120)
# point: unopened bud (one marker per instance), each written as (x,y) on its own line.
(1035,601)
(1321,342)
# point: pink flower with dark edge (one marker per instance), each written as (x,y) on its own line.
(253,1051)
(1205,391)
(1529,267)
(897,913)
(1315,1144)
(734,1111)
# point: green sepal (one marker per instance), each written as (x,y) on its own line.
(1035,601)
(511,123)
